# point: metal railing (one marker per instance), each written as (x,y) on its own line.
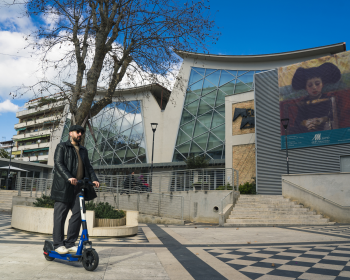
(228,199)
(33,186)
(179,180)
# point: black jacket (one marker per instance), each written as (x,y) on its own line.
(66,167)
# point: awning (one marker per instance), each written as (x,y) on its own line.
(13,168)
(35,150)
(16,153)
(19,129)
(25,139)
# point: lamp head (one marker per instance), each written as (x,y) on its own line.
(285,122)
(154,126)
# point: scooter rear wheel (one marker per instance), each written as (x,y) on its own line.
(90,260)
(49,258)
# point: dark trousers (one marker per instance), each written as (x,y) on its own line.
(60,214)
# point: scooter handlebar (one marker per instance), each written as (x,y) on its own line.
(85,183)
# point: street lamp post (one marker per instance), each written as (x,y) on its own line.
(8,172)
(285,125)
(154,127)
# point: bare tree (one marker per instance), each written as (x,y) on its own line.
(107,41)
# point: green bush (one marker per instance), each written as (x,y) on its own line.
(248,187)
(227,187)
(104,210)
(44,201)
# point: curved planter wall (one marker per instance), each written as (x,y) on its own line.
(37,219)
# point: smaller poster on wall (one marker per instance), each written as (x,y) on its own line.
(315,97)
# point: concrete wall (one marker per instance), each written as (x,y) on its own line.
(199,205)
(325,193)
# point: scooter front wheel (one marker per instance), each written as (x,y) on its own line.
(90,260)
(49,258)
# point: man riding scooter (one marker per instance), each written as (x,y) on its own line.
(71,163)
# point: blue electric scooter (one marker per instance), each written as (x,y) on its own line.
(87,255)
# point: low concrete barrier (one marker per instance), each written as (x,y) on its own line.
(325,193)
(38,219)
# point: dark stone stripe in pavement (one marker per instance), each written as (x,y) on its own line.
(320,232)
(194,265)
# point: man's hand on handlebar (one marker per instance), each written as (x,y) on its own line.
(73,181)
(97,184)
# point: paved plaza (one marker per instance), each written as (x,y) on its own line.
(189,252)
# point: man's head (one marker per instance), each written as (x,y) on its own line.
(76,132)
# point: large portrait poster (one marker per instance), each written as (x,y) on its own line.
(315,97)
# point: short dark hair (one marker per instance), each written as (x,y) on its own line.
(327,72)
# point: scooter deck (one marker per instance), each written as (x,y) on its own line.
(66,257)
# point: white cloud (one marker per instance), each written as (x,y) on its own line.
(8,106)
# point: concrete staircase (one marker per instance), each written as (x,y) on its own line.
(272,210)
(6,200)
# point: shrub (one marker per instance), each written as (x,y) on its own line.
(44,201)
(104,210)
(248,187)
(227,186)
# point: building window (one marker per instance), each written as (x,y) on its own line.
(202,124)
(118,129)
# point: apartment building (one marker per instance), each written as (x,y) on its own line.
(37,121)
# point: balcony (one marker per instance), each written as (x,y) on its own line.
(31,134)
(35,158)
(32,146)
(41,109)
(39,121)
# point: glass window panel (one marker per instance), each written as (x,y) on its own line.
(129,107)
(192,108)
(196,87)
(213,142)
(247,78)
(194,77)
(129,154)
(182,138)
(203,107)
(178,156)
(121,154)
(95,156)
(116,125)
(128,121)
(241,87)
(90,152)
(229,87)
(96,163)
(200,129)
(210,98)
(206,119)
(207,87)
(219,132)
(199,70)
(221,110)
(108,158)
(142,151)
(99,138)
(120,106)
(101,147)
(184,149)
(142,158)
(137,129)
(188,128)
(117,114)
(209,71)
(202,140)
(138,117)
(214,78)
(220,99)
(119,143)
(190,97)
(241,72)
(126,134)
(195,150)
(107,117)
(216,153)
(131,161)
(186,117)
(104,132)
(65,138)
(108,146)
(116,160)
(97,120)
(232,72)
(226,77)
(217,120)
(135,103)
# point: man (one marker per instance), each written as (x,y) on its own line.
(71,163)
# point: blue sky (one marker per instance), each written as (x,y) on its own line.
(247,27)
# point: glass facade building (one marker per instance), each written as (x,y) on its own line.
(202,125)
(119,131)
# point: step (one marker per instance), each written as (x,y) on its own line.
(268,206)
(278,217)
(274,221)
(285,224)
(277,210)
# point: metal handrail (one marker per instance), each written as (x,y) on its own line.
(222,201)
